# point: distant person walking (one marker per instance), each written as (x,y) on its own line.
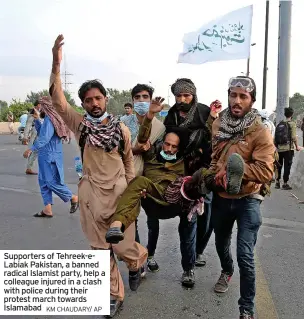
(50,158)
(10,119)
(286,142)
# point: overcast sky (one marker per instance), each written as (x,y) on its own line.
(125,42)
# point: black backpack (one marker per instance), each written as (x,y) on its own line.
(282,134)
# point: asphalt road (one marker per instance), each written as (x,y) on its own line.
(280,256)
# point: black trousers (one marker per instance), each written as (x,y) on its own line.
(285,158)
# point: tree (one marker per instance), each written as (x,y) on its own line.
(117,99)
(297,103)
(34,96)
(3,104)
(17,108)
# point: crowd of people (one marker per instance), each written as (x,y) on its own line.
(210,167)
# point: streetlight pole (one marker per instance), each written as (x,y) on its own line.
(265,69)
(248,67)
(283,59)
(248,62)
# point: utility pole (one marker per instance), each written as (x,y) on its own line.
(283,59)
(265,69)
(65,76)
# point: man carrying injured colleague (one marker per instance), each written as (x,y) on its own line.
(163,179)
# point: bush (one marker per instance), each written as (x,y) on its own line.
(17,108)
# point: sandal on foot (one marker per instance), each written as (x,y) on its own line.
(74,207)
(235,173)
(43,214)
(114,235)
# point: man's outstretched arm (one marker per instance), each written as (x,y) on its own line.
(70,116)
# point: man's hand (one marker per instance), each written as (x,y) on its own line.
(143,193)
(155,107)
(215,108)
(27,153)
(143,147)
(299,148)
(57,51)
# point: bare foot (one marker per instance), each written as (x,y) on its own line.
(74,199)
(116,224)
(48,210)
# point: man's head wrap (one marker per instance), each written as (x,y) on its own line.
(186,86)
(48,108)
(183,86)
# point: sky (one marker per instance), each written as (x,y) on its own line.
(125,42)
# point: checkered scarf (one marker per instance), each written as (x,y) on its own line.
(231,127)
(60,127)
(106,136)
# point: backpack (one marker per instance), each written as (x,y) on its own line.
(282,134)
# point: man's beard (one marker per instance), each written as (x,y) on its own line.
(184,107)
(95,115)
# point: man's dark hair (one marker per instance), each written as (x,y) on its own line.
(288,112)
(91,84)
(142,87)
(128,105)
(36,103)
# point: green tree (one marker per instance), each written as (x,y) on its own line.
(117,99)
(3,104)
(3,109)
(297,103)
(17,108)
(33,96)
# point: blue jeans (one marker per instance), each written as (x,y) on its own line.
(204,226)
(186,229)
(246,212)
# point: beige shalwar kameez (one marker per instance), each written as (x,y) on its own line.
(105,177)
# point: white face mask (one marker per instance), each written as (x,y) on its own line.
(97,119)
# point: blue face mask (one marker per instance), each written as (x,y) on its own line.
(168,157)
(96,119)
(141,108)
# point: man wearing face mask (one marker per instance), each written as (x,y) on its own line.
(192,120)
(161,184)
(141,97)
(105,145)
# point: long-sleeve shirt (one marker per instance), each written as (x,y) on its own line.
(48,141)
(23,119)
(104,168)
(49,148)
(159,172)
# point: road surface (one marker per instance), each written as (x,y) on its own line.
(280,255)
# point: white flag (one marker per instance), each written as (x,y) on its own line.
(225,38)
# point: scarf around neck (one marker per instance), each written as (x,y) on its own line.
(231,127)
(106,136)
